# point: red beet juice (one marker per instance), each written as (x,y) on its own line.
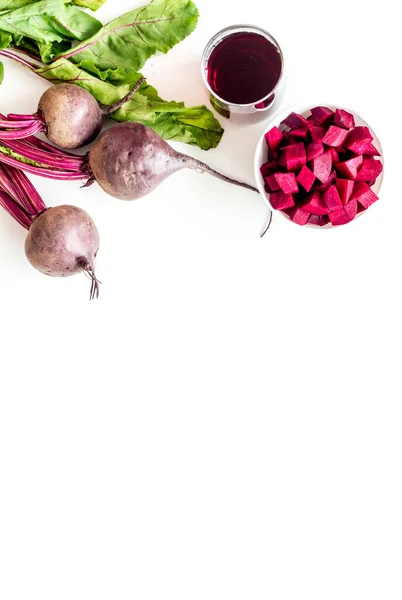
(244,68)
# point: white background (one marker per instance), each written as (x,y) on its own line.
(225,422)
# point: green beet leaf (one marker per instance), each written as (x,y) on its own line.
(13,4)
(172,120)
(49,21)
(126,43)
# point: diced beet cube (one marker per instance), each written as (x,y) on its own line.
(358,137)
(371,169)
(335,136)
(332,199)
(322,116)
(320,220)
(339,217)
(350,168)
(306,178)
(317,133)
(314,149)
(370,150)
(274,138)
(280,200)
(345,189)
(334,156)
(269,168)
(364,195)
(295,121)
(344,119)
(315,205)
(299,134)
(299,216)
(323,187)
(287,182)
(351,209)
(322,166)
(295,157)
(272,182)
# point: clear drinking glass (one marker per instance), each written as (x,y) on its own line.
(260,108)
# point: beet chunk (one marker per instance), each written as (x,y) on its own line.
(287,182)
(358,138)
(299,216)
(345,189)
(344,119)
(364,195)
(315,149)
(322,116)
(322,166)
(315,205)
(370,170)
(306,178)
(280,200)
(332,199)
(335,136)
(274,138)
(349,168)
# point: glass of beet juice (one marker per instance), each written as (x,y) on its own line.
(242,67)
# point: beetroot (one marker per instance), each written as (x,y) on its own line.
(272,183)
(344,119)
(299,134)
(280,200)
(315,204)
(67,114)
(370,170)
(350,168)
(287,182)
(364,195)
(319,220)
(269,168)
(339,217)
(368,149)
(334,156)
(357,139)
(315,149)
(274,138)
(335,136)
(322,167)
(317,133)
(323,187)
(295,121)
(332,199)
(306,178)
(322,116)
(299,216)
(293,157)
(351,209)
(345,189)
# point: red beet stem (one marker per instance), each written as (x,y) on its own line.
(34,141)
(18,59)
(19,134)
(15,117)
(26,193)
(16,124)
(42,172)
(15,210)
(46,158)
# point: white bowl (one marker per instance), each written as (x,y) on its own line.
(262,153)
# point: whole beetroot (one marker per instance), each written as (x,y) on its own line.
(68,115)
(130,160)
(64,241)
(61,241)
